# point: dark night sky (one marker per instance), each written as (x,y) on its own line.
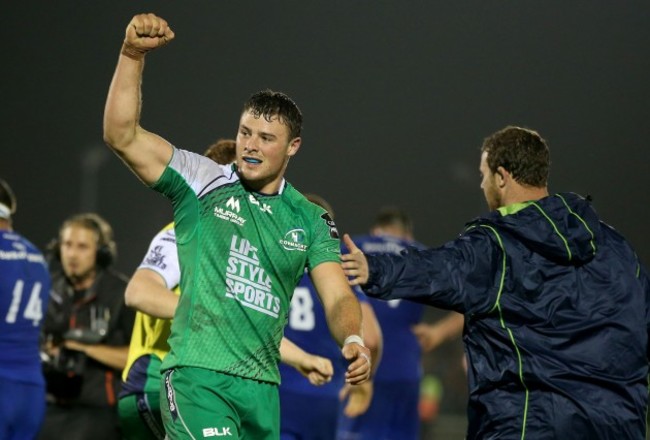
(397,97)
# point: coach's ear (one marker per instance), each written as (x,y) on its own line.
(502,177)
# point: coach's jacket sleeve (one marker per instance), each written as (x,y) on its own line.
(454,276)
(644,279)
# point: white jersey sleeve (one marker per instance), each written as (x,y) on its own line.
(162,257)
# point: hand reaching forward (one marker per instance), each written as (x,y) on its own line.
(427,336)
(318,370)
(354,263)
(360,362)
(358,398)
(144,33)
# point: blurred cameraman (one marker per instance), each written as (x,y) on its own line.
(85,334)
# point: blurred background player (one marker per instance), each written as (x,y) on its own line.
(307,412)
(24,292)
(399,375)
(86,332)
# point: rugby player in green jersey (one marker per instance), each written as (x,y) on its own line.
(153,291)
(244,238)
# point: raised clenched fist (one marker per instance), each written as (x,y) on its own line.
(144,33)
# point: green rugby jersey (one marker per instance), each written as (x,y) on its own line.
(241,255)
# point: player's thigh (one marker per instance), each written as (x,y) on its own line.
(22,409)
(140,417)
(200,403)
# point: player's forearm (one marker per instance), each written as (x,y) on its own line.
(290,353)
(450,326)
(344,318)
(123,104)
(157,304)
(372,335)
(150,297)
(112,356)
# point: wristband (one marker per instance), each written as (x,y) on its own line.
(354,339)
(132,52)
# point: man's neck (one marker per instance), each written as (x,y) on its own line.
(520,194)
(83,284)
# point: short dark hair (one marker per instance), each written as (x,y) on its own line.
(393,216)
(520,151)
(222,151)
(268,104)
(7,197)
(320,201)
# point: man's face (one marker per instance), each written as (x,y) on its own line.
(78,248)
(263,151)
(488,185)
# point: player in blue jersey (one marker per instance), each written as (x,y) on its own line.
(399,375)
(24,291)
(308,412)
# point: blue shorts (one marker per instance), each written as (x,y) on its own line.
(393,414)
(307,417)
(22,409)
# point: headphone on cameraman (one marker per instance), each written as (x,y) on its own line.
(106,247)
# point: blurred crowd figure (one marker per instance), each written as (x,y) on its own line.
(86,332)
(308,412)
(399,376)
(24,293)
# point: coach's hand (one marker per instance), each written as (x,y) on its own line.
(354,263)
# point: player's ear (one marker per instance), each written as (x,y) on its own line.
(294,146)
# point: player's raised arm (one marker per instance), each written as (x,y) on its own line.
(145,153)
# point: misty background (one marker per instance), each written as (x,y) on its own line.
(396,96)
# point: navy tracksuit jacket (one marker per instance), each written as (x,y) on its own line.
(556,320)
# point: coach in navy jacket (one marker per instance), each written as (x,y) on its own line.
(555,301)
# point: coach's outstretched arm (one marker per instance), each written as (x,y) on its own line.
(145,153)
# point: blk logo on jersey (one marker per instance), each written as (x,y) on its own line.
(246,281)
(217,432)
(263,206)
(294,240)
